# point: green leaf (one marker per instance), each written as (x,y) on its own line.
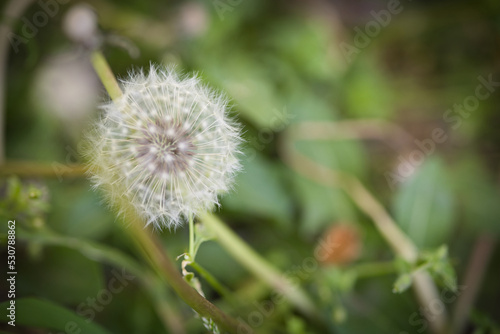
(480,207)
(260,191)
(440,268)
(79,211)
(388,312)
(367,91)
(402,283)
(435,262)
(295,325)
(307,44)
(321,205)
(91,250)
(37,313)
(424,205)
(23,200)
(306,104)
(201,235)
(341,280)
(62,275)
(248,84)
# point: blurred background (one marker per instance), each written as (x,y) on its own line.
(403,95)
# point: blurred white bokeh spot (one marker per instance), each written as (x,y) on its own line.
(67,87)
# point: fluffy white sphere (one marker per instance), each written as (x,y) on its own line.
(167,146)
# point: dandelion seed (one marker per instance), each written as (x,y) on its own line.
(159,144)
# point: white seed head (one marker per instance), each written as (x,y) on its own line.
(167,146)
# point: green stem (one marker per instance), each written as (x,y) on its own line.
(153,251)
(107,77)
(41,169)
(374,269)
(258,265)
(191,237)
(214,283)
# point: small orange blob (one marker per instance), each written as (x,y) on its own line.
(340,244)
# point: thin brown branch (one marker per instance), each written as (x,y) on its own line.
(363,129)
(155,253)
(403,246)
(41,169)
(476,268)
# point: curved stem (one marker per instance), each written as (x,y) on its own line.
(403,246)
(400,243)
(153,251)
(97,252)
(107,77)
(374,269)
(257,265)
(367,129)
(474,275)
(41,169)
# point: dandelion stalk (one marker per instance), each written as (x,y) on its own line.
(152,249)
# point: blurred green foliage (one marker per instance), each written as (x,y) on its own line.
(280,64)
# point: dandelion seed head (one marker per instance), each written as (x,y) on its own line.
(167,145)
